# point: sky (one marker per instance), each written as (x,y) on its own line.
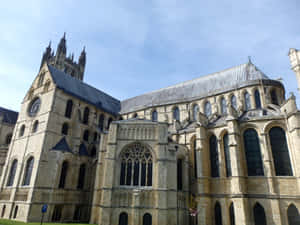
(137,46)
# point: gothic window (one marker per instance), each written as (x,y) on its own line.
(214,158)
(63,175)
(195,156)
(8,138)
(253,153)
(109,122)
(218,214)
(207,109)
(56,216)
(147,219)
(101,122)
(77,213)
(179,175)
(22,130)
(12,173)
(274,97)
(154,116)
(293,215)
(15,212)
(93,152)
(28,171)
(257,99)
(86,115)
(69,107)
(280,152)
(65,129)
(35,126)
(227,155)
(247,101)
(195,112)
(233,102)
(176,114)
(81,177)
(123,219)
(86,135)
(136,166)
(3,211)
(223,106)
(259,215)
(231,214)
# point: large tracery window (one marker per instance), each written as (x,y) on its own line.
(136,166)
(233,102)
(227,155)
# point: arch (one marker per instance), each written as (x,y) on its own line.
(274,99)
(63,174)
(101,122)
(280,152)
(123,218)
(214,157)
(22,130)
(12,173)
(81,176)
(227,155)
(154,116)
(259,215)
(233,102)
(293,215)
(35,126)
(15,212)
(253,153)
(8,139)
(218,214)
(3,211)
(223,106)
(195,112)
(65,129)
(231,214)
(247,101)
(86,115)
(69,108)
(207,108)
(147,219)
(257,99)
(28,170)
(179,174)
(86,134)
(176,113)
(109,122)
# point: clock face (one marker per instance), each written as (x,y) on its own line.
(34,107)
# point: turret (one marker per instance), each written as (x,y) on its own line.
(47,55)
(294,56)
(81,62)
(61,53)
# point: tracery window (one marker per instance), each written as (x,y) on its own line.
(176,114)
(195,112)
(65,129)
(81,177)
(136,166)
(274,97)
(154,116)
(214,157)
(233,102)
(231,214)
(86,115)
(227,155)
(257,99)
(280,152)
(218,214)
(101,122)
(259,215)
(207,109)
(28,171)
(293,215)
(223,106)
(247,101)
(147,219)
(12,173)
(63,175)
(253,153)
(69,107)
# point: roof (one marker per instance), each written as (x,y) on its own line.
(85,92)
(8,115)
(62,146)
(204,86)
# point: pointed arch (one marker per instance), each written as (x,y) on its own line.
(86,115)
(35,126)
(28,171)
(247,101)
(81,176)
(223,106)
(176,113)
(233,102)
(231,214)
(214,157)
(69,108)
(123,218)
(147,219)
(195,112)
(63,174)
(218,214)
(293,215)
(227,155)
(154,115)
(12,173)
(257,99)
(207,108)
(259,215)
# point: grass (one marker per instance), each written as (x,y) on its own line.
(13,222)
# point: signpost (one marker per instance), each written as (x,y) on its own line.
(44,210)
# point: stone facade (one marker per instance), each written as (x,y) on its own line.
(220,149)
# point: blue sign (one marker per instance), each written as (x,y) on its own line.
(44,208)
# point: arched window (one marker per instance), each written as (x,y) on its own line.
(253,153)
(12,173)
(57,213)
(176,114)
(195,112)
(109,122)
(8,139)
(259,215)
(293,215)
(231,214)
(207,109)
(123,219)
(35,126)
(280,152)
(218,214)
(63,175)
(86,115)
(3,211)
(101,122)
(257,99)
(227,155)
(179,175)
(15,212)
(81,177)
(65,129)
(154,116)
(223,106)
(28,171)
(274,98)
(69,107)
(214,157)
(77,213)
(93,152)
(147,219)
(194,147)
(233,102)
(22,130)
(136,166)
(86,135)
(247,101)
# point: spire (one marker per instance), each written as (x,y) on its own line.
(82,57)
(46,54)
(61,48)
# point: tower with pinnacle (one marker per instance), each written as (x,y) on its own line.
(60,60)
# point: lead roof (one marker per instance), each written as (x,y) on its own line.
(9,116)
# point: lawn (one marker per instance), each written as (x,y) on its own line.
(12,222)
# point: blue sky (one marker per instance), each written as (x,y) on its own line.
(138,46)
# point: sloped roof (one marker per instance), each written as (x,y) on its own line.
(216,83)
(8,115)
(85,92)
(62,146)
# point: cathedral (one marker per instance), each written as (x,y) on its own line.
(220,149)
